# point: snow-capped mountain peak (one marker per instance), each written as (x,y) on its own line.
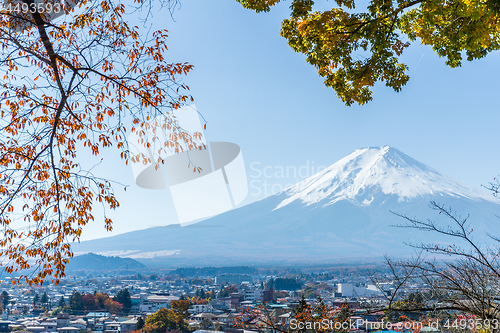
(342,214)
(369,172)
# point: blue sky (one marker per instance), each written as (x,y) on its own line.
(253,90)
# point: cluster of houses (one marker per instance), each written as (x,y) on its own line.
(65,323)
(220,311)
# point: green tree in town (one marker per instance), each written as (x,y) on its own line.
(75,301)
(5,299)
(36,300)
(140,324)
(62,302)
(356,44)
(270,284)
(165,320)
(123,297)
(286,284)
(44,300)
(181,308)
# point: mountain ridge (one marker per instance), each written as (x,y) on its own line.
(324,218)
(95,262)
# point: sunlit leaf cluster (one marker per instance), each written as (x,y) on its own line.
(354,45)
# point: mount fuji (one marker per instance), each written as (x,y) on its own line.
(341,214)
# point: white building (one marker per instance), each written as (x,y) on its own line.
(128,325)
(349,290)
(253,295)
(154,303)
(68,330)
(79,323)
(50,326)
(112,327)
(200,308)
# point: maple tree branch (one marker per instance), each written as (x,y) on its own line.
(45,121)
(27,50)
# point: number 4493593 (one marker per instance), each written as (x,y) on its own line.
(40,7)
(472,324)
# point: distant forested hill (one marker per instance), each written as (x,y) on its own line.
(96,262)
(211,271)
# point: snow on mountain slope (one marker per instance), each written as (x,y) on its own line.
(360,175)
